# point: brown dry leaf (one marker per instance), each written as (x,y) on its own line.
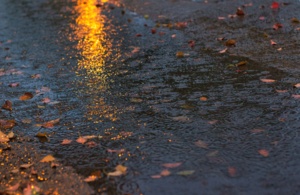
(230,42)
(203,98)
(156,176)
(54,165)
(297,85)
(5,124)
(90,178)
(212,122)
(171,165)
(240,12)
(47,125)
(46,100)
(223,51)
(7,105)
(295,20)
(26,121)
(268,80)
(26,96)
(14,84)
(41,134)
(3,137)
(272,42)
(13,188)
(115,173)
(257,130)
(296,96)
(241,63)
(10,135)
(212,153)
(121,168)
(165,172)
(201,144)
(25,166)
(48,158)
(66,141)
(179,54)
(263,152)
(81,140)
(54,122)
(231,171)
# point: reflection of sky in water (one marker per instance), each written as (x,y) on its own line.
(93,33)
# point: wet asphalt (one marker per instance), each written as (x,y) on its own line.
(109,75)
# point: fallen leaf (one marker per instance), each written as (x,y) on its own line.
(275,5)
(295,20)
(239,12)
(48,158)
(26,96)
(268,80)
(54,165)
(66,141)
(13,188)
(54,122)
(3,137)
(201,144)
(121,168)
(156,176)
(221,18)
(297,85)
(161,33)
(263,152)
(179,54)
(46,89)
(186,106)
(14,171)
(241,63)
(261,18)
(38,76)
(115,173)
(39,106)
(186,172)
(25,166)
(54,102)
(89,136)
(230,42)
(26,121)
(7,105)
(31,190)
(171,165)
(165,172)
(153,31)
(92,144)
(41,134)
(257,130)
(90,178)
(136,100)
(5,124)
(223,51)
(212,122)
(10,135)
(47,125)
(46,100)
(138,35)
(181,24)
(231,171)
(203,98)
(296,96)
(277,25)
(116,151)
(180,118)
(14,84)
(81,140)
(212,153)
(173,36)
(272,42)
(282,91)
(279,49)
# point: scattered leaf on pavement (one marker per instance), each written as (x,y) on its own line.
(14,84)
(90,178)
(201,144)
(26,96)
(268,80)
(7,105)
(263,152)
(186,172)
(231,171)
(13,188)
(25,166)
(165,172)
(66,141)
(81,140)
(48,158)
(171,165)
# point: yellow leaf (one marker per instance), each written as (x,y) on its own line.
(48,158)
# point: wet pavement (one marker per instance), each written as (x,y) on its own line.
(108,75)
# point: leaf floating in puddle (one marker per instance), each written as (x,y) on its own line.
(26,96)
(201,144)
(66,141)
(136,100)
(171,165)
(7,105)
(48,158)
(186,172)
(268,80)
(263,152)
